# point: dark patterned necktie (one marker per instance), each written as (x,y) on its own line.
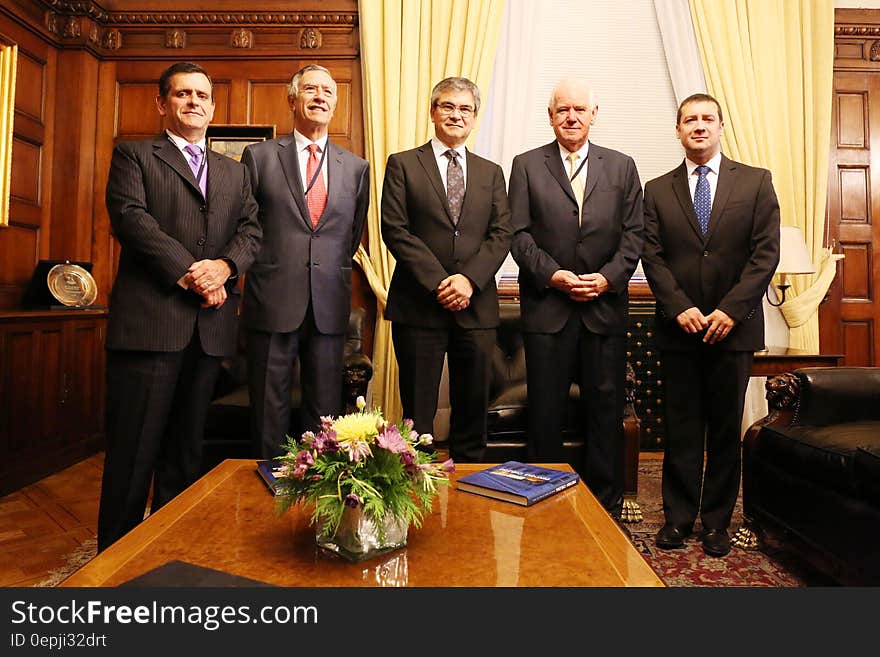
(454,184)
(703,198)
(195,163)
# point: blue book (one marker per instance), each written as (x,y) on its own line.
(268,470)
(517,482)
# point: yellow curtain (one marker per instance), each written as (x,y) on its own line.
(407,46)
(770,64)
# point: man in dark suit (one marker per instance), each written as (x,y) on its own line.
(313,197)
(711,247)
(186,222)
(446,221)
(577,220)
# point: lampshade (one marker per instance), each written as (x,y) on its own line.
(793,255)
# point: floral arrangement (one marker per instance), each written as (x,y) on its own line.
(361,460)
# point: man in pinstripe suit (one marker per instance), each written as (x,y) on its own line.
(186,222)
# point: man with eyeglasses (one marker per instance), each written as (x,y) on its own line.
(576,210)
(446,220)
(313,197)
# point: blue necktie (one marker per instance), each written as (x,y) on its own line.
(703,198)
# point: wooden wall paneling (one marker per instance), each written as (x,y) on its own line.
(74,156)
(849,313)
(104,246)
(51,392)
(27,237)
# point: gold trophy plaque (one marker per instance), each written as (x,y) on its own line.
(72,285)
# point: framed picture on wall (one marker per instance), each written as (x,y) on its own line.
(231,140)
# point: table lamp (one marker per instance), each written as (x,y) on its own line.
(793,259)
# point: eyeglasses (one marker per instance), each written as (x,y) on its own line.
(446,109)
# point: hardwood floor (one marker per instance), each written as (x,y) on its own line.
(43,524)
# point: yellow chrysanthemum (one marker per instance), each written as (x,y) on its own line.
(356,428)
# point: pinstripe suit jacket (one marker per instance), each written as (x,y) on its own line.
(163,225)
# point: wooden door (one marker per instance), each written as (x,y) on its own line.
(848,318)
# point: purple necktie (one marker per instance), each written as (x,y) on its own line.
(197,166)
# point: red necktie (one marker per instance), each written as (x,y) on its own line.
(316,198)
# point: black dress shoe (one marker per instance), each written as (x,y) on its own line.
(670,537)
(716,542)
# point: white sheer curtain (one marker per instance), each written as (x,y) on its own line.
(686,73)
(680,47)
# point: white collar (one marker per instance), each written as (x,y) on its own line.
(182,143)
(582,152)
(440,148)
(714,164)
(303,142)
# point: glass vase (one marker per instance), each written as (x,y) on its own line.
(357,537)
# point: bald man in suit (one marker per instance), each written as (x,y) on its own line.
(711,248)
(446,220)
(577,219)
(313,197)
(186,223)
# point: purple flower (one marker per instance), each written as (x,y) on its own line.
(325,444)
(391,440)
(352,501)
(305,458)
(448,466)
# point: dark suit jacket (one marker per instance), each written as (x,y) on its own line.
(163,225)
(296,264)
(729,269)
(417,228)
(547,236)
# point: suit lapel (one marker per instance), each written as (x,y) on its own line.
(426,157)
(290,165)
(554,164)
(166,151)
(726,181)
(683,194)
(595,169)
(335,176)
(471,187)
(216,175)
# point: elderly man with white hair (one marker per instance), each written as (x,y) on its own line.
(576,211)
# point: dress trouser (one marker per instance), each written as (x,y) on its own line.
(420,352)
(598,364)
(704,396)
(157,403)
(271,358)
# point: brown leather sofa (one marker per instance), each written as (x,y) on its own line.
(811,470)
(227,430)
(508,407)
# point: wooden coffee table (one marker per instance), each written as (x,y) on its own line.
(227,521)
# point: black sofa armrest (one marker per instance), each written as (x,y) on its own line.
(830,395)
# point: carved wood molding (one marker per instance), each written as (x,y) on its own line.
(94,11)
(857,30)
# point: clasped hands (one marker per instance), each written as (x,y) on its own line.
(579,287)
(454,292)
(718,324)
(208,278)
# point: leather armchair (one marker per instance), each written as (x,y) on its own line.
(811,470)
(227,430)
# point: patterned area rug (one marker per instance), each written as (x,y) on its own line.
(775,565)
